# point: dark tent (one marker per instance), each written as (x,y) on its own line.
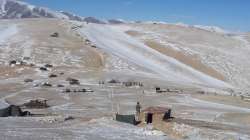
(126,118)
(13,111)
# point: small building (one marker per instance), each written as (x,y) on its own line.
(153,115)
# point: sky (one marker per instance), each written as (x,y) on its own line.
(231,15)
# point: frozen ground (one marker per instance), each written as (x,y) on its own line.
(116,56)
(101,129)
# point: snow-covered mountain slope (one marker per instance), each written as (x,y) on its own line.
(93,20)
(115,41)
(16,9)
(116,21)
(176,52)
(219,55)
(211,29)
(31,38)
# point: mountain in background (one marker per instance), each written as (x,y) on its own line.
(13,9)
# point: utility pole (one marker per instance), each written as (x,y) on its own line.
(112,105)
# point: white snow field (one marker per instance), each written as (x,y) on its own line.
(99,129)
(116,42)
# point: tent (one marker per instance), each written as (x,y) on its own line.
(126,119)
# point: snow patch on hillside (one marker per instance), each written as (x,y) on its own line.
(211,29)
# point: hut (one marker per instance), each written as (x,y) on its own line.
(152,115)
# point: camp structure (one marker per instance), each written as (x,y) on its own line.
(73,81)
(36,104)
(3,108)
(126,119)
(56,34)
(48,66)
(152,115)
(11,110)
(159,90)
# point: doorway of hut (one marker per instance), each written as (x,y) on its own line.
(149,118)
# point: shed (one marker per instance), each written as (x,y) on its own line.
(155,114)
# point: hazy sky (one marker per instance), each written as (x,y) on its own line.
(229,14)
